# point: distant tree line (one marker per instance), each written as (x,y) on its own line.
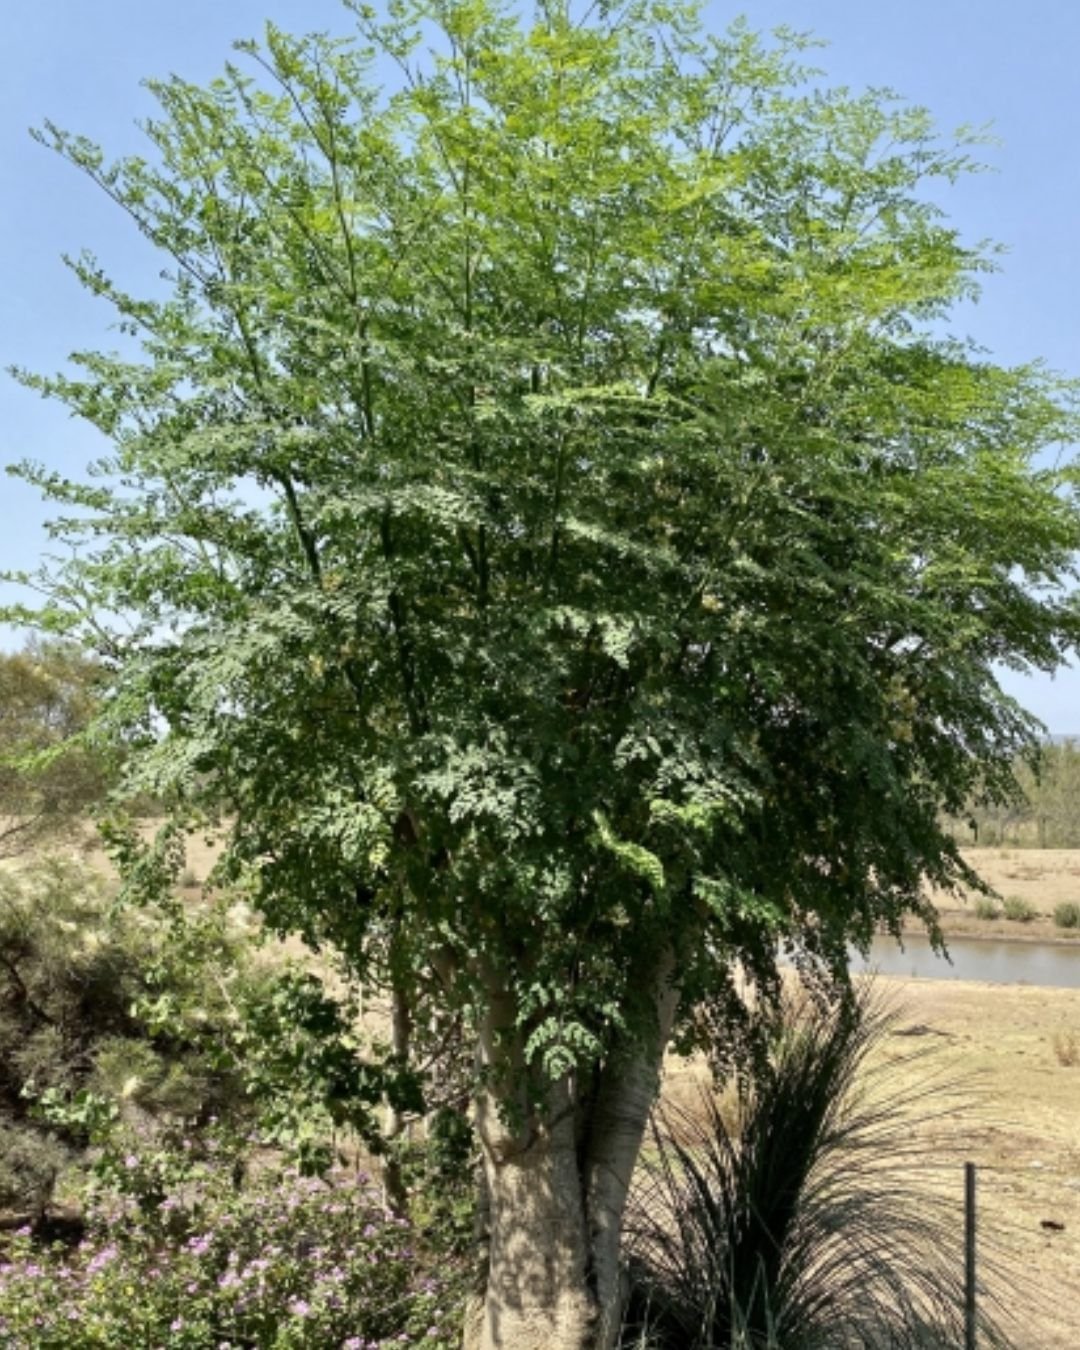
(52,775)
(1047,815)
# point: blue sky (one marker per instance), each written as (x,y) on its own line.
(80,64)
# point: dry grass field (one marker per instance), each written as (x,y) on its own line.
(1044,878)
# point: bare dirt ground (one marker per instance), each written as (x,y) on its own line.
(1021,1048)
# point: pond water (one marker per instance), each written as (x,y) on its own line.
(1041,963)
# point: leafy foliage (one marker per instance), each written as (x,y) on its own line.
(531,534)
(122,1031)
(76,1042)
(1043,813)
(539,511)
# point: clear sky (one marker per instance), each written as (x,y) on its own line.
(80,64)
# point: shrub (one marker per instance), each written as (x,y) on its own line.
(809,1227)
(51,774)
(29,1166)
(108,1019)
(439,1174)
(122,1027)
(286,1262)
(1067,915)
(1019,910)
(987,908)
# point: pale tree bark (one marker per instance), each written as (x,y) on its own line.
(620,1112)
(556,1181)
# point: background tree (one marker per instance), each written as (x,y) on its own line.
(1044,814)
(50,779)
(565,558)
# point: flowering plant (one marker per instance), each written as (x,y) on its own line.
(286,1261)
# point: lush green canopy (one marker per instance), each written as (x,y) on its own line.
(553,526)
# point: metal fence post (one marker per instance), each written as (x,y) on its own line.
(969,1256)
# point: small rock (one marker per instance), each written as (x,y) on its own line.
(1052,1226)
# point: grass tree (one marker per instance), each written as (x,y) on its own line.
(550,537)
(806,1211)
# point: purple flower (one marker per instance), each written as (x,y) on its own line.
(299,1308)
(102,1259)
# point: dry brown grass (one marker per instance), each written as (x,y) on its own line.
(1039,878)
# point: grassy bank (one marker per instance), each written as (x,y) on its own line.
(1037,882)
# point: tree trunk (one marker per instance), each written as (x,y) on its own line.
(556,1182)
(537,1296)
(394,1195)
(620,1112)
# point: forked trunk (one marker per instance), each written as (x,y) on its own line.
(556,1182)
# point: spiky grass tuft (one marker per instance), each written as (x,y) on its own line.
(812,1223)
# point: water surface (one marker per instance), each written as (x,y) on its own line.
(1041,963)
